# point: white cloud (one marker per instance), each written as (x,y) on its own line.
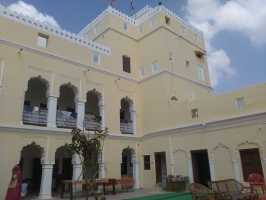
(219,66)
(31,11)
(211,16)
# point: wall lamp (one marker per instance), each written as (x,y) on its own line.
(117,79)
(203,124)
(86,70)
(20,50)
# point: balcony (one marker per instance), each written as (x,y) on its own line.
(34,116)
(65,119)
(91,121)
(126,126)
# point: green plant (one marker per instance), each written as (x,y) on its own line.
(86,148)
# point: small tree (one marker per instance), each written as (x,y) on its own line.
(86,148)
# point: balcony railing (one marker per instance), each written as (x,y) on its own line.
(35,116)
(126,126)
(91,121)
(65,119)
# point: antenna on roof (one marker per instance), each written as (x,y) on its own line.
(131,8)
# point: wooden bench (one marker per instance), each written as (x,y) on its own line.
(98,181)
(234,190)
(127,183)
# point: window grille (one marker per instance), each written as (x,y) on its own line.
(155,66)
(125,26)
(152,22)
(142,72)
(141,29)
(200,73)
(96,58)
(240,103)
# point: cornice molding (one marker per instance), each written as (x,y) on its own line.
(211,126)
(95,68)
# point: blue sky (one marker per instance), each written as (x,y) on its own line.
(234,30)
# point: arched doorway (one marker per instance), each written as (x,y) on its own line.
(129,165)
(35,102)
(92,111)
(127,117)
(66,115)
(62,169)
(31,165)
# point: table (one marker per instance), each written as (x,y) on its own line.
(98,181)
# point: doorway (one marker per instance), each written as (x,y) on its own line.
(201,167)
(160,165)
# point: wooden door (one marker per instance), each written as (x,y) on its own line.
(195,167)
(158,166)
(251,162)
(67,169)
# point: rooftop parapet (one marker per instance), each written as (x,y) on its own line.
(143,10)
(137,19)
(42,26)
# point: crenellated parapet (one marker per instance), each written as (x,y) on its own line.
(42,26)
(148,12)
(144,14)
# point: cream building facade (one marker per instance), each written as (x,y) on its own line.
(146,77)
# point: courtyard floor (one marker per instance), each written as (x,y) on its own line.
(119,195)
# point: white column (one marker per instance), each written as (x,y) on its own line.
(52,107)
(101,165)
(46,184)
(235,161)
(80,109)
(101,108)
(190,172)
(77,170)
(22,109)
(135,170)
(212,170)
(102,170)
(133,118)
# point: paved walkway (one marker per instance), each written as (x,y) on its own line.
(119,196)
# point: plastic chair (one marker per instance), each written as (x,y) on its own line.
(256,180)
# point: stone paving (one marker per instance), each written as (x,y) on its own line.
(119,196)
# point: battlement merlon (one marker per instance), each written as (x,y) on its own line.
(144,14)
(49,29)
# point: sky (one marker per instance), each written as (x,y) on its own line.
(234,30)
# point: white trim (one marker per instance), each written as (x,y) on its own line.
(179,130)
(236,170)
(212,170)
(100,70)
(190,172)
(1,73)
(51,30)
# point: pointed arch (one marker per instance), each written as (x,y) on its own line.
(130,103)
(73,87)
(99,95)
(41,79)
(42,151)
